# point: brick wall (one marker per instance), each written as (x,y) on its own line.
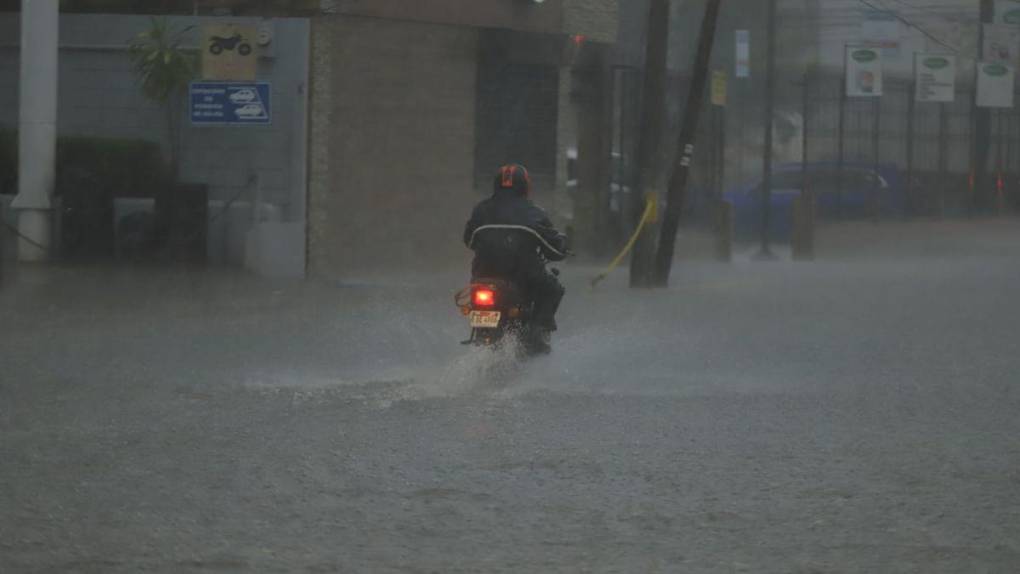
(393,143)
(596,19)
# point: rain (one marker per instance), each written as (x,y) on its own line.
(241,258)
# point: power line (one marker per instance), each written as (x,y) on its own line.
(930,10)
(910,24)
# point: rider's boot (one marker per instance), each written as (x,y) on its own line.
(538,340)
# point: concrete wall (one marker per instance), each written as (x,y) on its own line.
(393,143)
(99,96)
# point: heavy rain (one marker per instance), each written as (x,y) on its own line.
(280,286)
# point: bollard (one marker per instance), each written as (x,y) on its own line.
(723,231)
(803,239)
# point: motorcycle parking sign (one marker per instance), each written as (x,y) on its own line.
(230,103)
(228,52)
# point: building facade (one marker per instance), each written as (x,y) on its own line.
(390,119)
(415,106)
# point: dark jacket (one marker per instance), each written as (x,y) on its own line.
(507,231)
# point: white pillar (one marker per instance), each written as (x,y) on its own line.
(37,126)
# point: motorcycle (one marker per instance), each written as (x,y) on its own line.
(219,43)
(499,311)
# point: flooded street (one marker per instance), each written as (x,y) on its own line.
(279,280)
(839,416)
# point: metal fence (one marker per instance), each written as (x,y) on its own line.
(930,143)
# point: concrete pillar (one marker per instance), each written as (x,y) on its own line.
(37,126)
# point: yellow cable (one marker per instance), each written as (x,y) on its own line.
(650,208)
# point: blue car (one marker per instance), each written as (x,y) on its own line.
(864,187)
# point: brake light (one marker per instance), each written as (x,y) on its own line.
(484,298)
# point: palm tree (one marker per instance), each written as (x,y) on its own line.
(164,69)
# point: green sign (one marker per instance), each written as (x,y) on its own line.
(996,70)
(1011,17)
(936,63)
(864,56)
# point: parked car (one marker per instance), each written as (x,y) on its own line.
(250,111)
(243,96)
(857,191)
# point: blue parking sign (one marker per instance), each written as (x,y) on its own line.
(230,103)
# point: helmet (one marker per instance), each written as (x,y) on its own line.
(514,176)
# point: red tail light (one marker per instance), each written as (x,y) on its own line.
(484,298)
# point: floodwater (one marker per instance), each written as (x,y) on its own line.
(855,414)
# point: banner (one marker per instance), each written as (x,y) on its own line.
(718,88)
(1002,44)
(994,85)
(934,78)
(1007,12)
(743,60)
(863,72)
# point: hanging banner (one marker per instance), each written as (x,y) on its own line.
(1007,12)
(863,72)
(743,60)
(718,88)
(1002,44)
(994,85)
(934,77)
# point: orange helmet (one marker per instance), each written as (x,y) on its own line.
(514,176)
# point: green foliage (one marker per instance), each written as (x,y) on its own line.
(162,66)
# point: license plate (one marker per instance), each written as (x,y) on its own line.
(484,319)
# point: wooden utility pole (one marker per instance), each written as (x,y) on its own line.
(653,114)
(685,146)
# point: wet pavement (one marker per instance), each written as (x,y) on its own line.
(855,414)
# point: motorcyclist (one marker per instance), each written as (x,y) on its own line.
(513,239)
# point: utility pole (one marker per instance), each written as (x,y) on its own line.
(766,183)
(653,112)
(685,146)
